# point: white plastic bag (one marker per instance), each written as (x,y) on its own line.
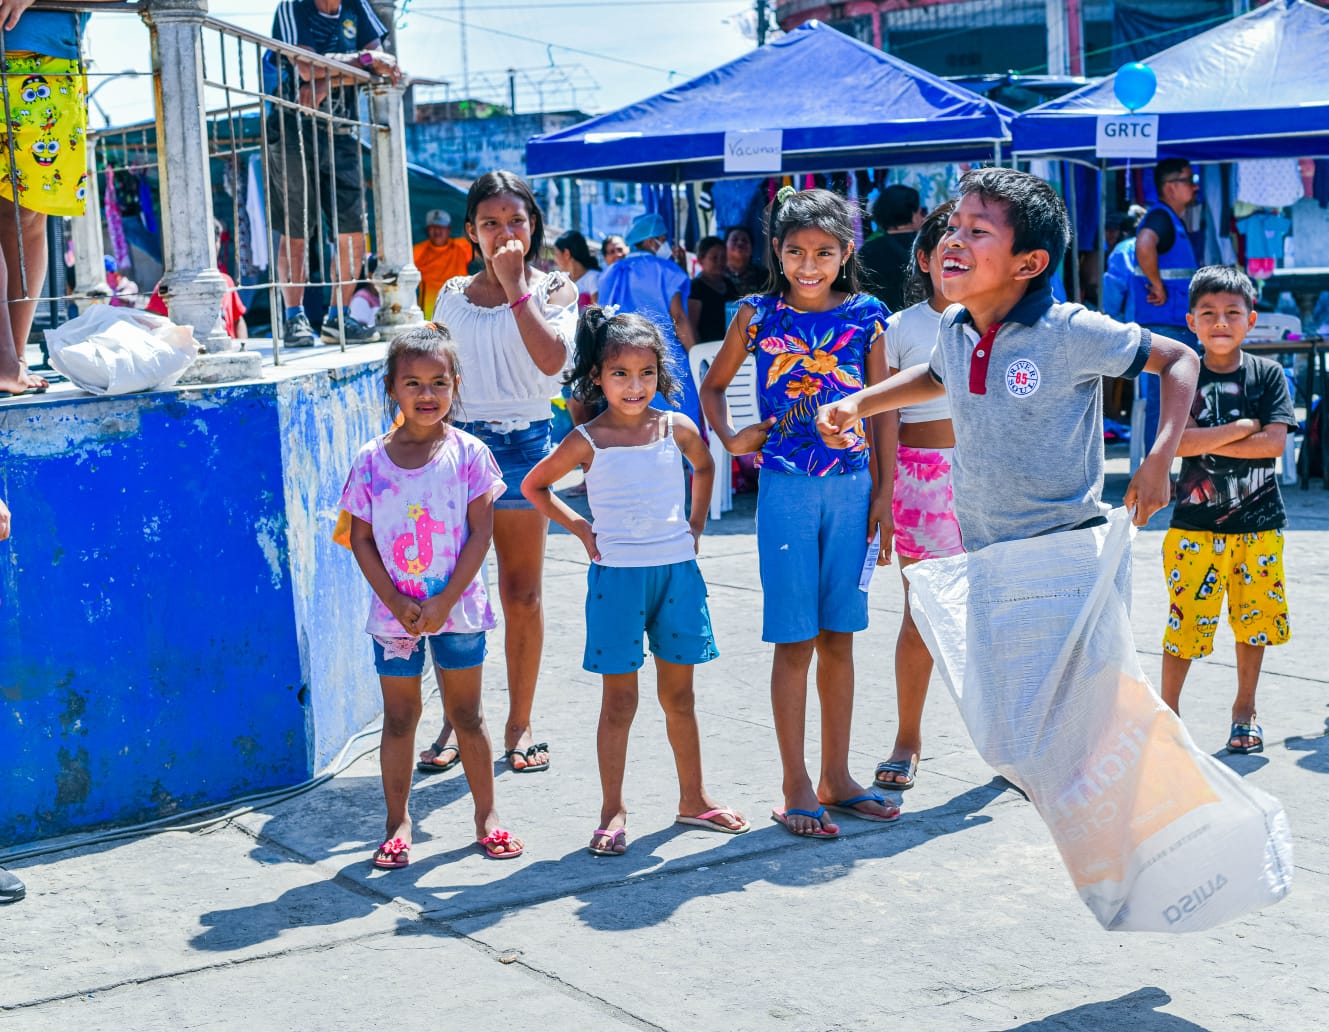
(111,350)
(1033,639)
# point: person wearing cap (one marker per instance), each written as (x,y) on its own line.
(439,257)
(648,282)
(124,290)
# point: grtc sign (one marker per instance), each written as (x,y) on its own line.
(1126,136)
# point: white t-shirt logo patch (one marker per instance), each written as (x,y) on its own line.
(1022,378)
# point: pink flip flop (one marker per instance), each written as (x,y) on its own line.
(707,820)
(499,837)
(396,855)
(615,837)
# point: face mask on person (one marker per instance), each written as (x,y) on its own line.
(663,249)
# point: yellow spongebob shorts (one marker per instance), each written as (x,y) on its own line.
(47,123)
(1200,567)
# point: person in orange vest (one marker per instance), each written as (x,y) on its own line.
(439,258)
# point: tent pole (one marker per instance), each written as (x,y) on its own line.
(1103,249)
(1074,284)
(996,153)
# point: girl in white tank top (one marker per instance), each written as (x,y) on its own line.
(643,584)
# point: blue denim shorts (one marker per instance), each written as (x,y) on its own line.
(625,604)
(451,652)
(516,454)
(812,536)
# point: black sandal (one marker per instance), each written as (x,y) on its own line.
(529,756)
(429,767)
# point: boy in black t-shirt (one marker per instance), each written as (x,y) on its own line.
(1226,533)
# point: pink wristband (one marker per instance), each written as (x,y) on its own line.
(520,301)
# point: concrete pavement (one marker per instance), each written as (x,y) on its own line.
(959,916)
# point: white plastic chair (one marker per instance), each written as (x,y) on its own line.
(1274,326)
(741,396)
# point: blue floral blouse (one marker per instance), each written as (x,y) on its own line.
(806,360)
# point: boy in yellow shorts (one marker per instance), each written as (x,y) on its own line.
(43,165)
(1226,534)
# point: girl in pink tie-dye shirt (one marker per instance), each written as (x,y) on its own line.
(421,498)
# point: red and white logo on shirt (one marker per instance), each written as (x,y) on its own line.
(1022,378)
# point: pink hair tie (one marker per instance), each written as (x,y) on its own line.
(520,301)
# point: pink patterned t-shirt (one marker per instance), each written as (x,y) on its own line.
(419,521)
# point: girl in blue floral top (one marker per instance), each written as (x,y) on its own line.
(815,338)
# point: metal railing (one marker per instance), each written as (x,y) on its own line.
(282,134)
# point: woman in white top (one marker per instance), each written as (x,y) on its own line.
(922,505)
(573,256)
(513,326)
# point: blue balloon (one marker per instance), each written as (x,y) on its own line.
(1135,85)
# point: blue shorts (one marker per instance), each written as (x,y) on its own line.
(516,454)
(812,536)
(451,652)
(624,604)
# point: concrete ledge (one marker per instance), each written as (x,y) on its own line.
(173,612)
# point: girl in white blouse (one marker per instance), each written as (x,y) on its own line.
(513,326)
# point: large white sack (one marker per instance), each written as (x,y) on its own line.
(112,350)
(1033,639)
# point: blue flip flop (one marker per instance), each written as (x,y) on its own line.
(824,831)
(848,806)
(909,768)
(1251,730)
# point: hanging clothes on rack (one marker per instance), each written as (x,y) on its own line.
(258,225)
(115,227)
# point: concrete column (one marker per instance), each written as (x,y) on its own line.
(191,285)
(89,250)
(398,278)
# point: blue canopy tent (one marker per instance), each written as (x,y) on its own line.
(1249,88)
(885,112)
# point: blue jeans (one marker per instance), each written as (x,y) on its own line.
(516,454)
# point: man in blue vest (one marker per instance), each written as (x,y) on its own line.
(1165,262)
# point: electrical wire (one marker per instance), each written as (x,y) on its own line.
(181,821)
(544,42)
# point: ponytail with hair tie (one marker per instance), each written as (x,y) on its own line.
(783,194)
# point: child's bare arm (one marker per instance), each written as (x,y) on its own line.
(1265,443)
(884,430)
(733,353)
(1205,440)
(435,610)
(404,608)
(703,472)
(1178,368)
(573,451)
(911,386)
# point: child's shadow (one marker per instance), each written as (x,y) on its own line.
(1316,748)
(1240,764)
(800,864)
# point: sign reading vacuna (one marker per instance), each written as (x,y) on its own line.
(753,150)
(1126,136)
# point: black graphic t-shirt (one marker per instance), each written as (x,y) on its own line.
(1234,496)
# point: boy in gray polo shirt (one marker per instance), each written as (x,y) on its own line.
(1024,374)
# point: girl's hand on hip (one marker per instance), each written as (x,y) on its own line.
(836,421)
(752,438)
(509,262)
(588,542)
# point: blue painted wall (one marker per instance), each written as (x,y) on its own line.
(176,626)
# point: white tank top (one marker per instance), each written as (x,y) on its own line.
(911,335)
(637,503)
